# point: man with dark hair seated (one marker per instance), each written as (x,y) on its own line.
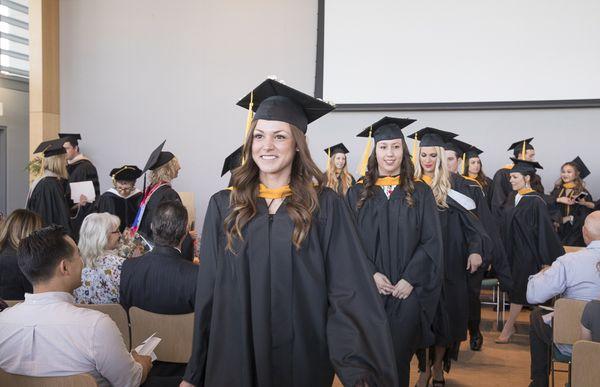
(162,281)
(47,335)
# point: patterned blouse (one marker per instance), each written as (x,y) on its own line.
(100,284)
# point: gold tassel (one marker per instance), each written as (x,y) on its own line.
(523,150)
(462,168)
(249,119)
(362,168)
(414,150)
(329,159)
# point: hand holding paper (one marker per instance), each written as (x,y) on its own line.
(148,346)
(85,188)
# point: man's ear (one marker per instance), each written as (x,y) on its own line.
(63,267)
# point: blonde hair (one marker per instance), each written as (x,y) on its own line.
(165,172)
(19,224)
(56,164)
(93,236)
(441,178)
(332,179)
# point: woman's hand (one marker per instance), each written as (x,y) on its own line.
(567,219)
(83,200)
(565,200)
(384,285)
(185,384)
(402,289)
(474,262)
(587,204)
(193,234)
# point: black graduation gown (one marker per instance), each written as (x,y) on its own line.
(83,170)
(124,208)
(530,241)
(49,201)
(161,195)
(569,234)
(275,316)
(501,188)
(340,187)
(404,242)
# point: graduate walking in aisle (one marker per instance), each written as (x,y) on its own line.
(48,193)
(336,174)
(123,200)
(79,169)
(465,241)
(473,170)
(399,226)
(529,238)
(571,202)
(284,296)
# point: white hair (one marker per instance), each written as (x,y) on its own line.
(93,236)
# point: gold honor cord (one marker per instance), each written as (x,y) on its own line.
(414,150)
(523,150)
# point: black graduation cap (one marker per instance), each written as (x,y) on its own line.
(583,169)
(232,161)
(387,128)
(473,151)
(525,166)
(338,148)
(517,147)
(432,137)
(272,100)
(70,137)
(459,147)
(126,173)
(51,147)
(158,158)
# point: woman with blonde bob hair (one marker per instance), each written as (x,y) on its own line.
(337,176)
(48,193)
(101,275)
(19,224)
(463,238)
(283,295)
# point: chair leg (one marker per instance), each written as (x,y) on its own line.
(496,298)
(552,371)
(569,376)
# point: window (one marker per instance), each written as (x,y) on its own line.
(14,38)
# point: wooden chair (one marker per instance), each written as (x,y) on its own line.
(566,329)
(176,332)
(118,315)
(586,358)
(12,380)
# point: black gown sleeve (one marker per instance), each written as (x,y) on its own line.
(549,246)
(359,340)
(500,189)
(209,251)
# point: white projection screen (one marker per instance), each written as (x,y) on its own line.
(464,52)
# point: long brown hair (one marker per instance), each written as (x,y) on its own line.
(306,181)
(19,224)
(332,178)
(481,177)
(578,181)
(406,177)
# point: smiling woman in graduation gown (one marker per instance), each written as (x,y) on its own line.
(565,210)
(124,199)
(529,238)
(399,228)
(281,301)
(48,193)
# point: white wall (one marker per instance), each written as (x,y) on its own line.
(14,96)
(134,72)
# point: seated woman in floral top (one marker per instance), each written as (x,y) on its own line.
(101,276)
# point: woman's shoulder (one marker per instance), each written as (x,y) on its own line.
(111,258)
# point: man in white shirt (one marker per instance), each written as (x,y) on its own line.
(47,335)
(574,276)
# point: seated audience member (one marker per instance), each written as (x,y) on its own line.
(100,278)
(574,275)
(590,320)
(47,335)
(13,284)
(161,281)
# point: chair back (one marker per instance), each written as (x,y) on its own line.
(586,358)
(567,319)
(80,380)
(176,332)
(118,315)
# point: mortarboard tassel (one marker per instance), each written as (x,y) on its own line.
(414,149)
(523,150)
(462,168)
(362,168)
(329,158)
(249,119)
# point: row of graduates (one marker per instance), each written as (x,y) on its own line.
(297,281)
(62,164)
